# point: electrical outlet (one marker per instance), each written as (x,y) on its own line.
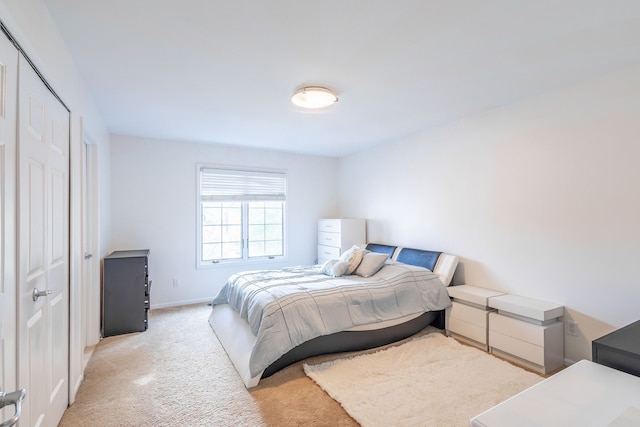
(572,328)
(176,283)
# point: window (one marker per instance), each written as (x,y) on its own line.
(241,215)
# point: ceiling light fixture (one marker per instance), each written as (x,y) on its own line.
(314,97)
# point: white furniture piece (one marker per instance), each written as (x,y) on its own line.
(337,235)
(527,331)
(584,394)
(468,317)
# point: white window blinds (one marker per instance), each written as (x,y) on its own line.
(227,184)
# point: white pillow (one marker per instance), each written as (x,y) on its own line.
(371,263)
(353,256)
(334,267)
(339,268)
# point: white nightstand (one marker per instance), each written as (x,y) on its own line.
(467,318)
(527,331)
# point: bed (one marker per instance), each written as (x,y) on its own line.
(269,319)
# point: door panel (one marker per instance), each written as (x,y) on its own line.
(35,217)
(43,248)
(33,409)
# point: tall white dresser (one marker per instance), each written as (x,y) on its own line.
(337,235)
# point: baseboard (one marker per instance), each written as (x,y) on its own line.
(181,303)
(76,388)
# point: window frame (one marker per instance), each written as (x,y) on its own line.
(200,263)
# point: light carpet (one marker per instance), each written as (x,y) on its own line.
(177,374)
(430,381)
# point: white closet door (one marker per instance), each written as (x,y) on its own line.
(8,117)
(43,250)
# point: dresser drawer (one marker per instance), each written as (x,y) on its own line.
(326,238)
(330,225)
(328,252)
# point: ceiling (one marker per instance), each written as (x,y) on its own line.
(224,71)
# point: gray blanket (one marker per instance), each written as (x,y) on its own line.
(287,307)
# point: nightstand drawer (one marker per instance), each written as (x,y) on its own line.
(523,331)
(542,345)
(516,347)
(328,252)
(468,330)
(469,314)
(329,239)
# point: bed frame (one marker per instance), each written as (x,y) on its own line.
(356,340)
(237,339)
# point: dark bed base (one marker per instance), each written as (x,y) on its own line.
(356,340)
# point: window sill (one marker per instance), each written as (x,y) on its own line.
(240,263)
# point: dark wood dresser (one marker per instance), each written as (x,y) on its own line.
(125,292)
(619,349)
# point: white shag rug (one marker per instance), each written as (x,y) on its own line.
(430,381)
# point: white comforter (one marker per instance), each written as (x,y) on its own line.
(287,307)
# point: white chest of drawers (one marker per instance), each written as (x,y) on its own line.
(468,317)
(337,235)
(527,331)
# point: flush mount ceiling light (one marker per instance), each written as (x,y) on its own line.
(314,97)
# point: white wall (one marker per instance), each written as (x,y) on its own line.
(154,207)
(540,199)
